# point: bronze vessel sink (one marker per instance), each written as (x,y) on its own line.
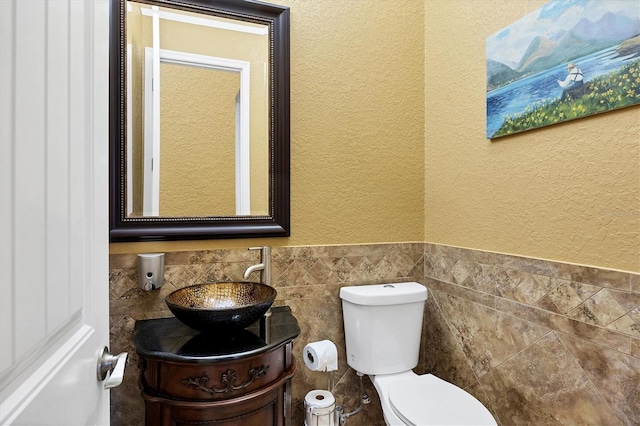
(215,307)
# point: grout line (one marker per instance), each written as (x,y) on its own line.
(545,311)
(535,341)
(493,410)
(587,375)
(450,329)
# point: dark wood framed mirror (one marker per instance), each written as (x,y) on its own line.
(199,120)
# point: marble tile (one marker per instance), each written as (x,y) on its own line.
(563,297)
(404,262)
(136,301)
(529,296)
(627,301)
(211,256)
(600,309)
(318,319)
(584,291)
(321,318)
(341,268)
(180,275)
(223,271)
(526,264)
(547,304)
(533,287)
(127,406)
(368,269)
(601,277)
(443,355)
(487,337)
(483,279)
(507,281)
(543,384)
(594,305)
(462,292)
(347,392)
(449,251)
(615,375)
(625,324)
(122,261)
(122,282)
(323,272)
(460,271)
(429,269)
(634,283)
(417,271)
(307,279)
(635,347)
(476,390)
(442,268)
(564,324)
(297,274)
(316,292)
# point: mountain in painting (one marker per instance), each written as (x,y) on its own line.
(540,48)
(498,74)
(584,38)
(611,27)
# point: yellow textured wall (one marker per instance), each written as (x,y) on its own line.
(197,135)
(197,39)
(241,46)
(357,126)
(569,192)
(375,133)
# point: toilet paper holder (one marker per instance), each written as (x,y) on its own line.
(322,356)
(321,410)
(332,418)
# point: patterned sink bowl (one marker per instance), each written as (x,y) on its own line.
(214,307)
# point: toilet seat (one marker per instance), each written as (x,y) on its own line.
(429,400)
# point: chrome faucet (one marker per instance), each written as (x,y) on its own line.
(264,266)
(265,278)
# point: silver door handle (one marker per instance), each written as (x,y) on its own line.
(114,364)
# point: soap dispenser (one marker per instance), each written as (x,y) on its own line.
(150,271)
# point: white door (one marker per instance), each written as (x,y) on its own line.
(53,210)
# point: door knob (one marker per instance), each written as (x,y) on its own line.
(111,363)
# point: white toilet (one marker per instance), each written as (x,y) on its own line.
(383,326)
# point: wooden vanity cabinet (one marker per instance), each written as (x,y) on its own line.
(200,386)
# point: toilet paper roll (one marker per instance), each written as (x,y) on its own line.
(319,406)
(319,399)
(321,356)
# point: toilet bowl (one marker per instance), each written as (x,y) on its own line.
(383,328)
(424,400)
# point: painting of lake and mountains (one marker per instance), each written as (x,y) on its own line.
(567,60)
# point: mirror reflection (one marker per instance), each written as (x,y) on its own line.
(199,120)
(198,114)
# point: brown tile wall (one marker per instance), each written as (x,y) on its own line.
(537,342)
(308,279)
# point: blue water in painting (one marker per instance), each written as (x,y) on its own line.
(543,87)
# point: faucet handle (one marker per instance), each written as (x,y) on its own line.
(266,250)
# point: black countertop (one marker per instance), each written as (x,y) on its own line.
(169,339)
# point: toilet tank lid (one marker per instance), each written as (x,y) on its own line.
(384,294)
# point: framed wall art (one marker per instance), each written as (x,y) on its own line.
(567,60)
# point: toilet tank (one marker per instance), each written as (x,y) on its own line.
(383,326)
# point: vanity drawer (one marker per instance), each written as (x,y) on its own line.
(215,381)
(264,407)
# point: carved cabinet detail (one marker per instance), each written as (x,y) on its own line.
(206,385)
